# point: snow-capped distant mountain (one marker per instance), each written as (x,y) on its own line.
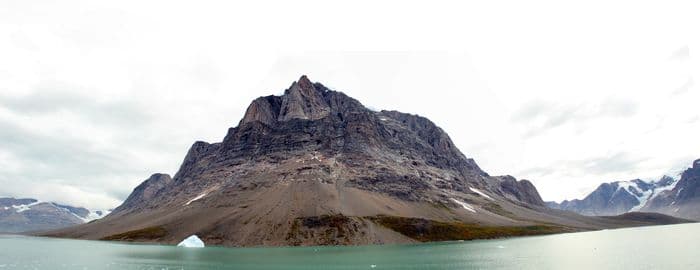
(619,197)
(683,199)
(23,215)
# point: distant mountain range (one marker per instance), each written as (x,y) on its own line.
(316,167)
(677,196)
(24,215)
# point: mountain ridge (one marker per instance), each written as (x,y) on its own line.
(678,197)
(26,214)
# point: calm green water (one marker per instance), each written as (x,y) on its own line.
(661,247)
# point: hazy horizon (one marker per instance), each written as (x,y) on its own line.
(96,98)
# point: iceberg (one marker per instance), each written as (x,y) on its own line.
(191,242)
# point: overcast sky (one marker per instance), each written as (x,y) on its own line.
(96,96)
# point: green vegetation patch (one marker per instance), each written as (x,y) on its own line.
(429,230)
(149,233)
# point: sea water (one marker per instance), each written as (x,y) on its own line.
(657,247)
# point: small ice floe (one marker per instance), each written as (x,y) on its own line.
(480,193)
(501,247)
(196,198)
(191,242)
(372,266)
(464,205)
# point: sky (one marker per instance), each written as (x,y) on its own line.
(95,96)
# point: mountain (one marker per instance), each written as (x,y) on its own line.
(23,215)
(617,198)
(679,197)
(316,167)
(683,200)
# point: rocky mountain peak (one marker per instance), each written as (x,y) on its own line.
(263,109)
(664,181)
(305,83)
(303,101)
(692,172)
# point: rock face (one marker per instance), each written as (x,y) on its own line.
(522,190)
(24,215)
(315,167)
(145,192)
(683,200)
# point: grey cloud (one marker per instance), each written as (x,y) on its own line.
(681,53)
(51,151)
(75,162)
(542,116)
(531,110)
(617,108)
(619,162)
(599,165)
(685,87)
(56,97)
(538,171)
(65,161)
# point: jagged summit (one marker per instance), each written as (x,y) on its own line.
(302,100)
(339,123)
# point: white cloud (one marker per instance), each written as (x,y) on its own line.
(95,96)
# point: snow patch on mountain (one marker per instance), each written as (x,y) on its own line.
(196,198)
(24,207)
(94,215)
(91,215)
(643,199)
(645,194)
(464,205)
(660,190)
(480,193)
